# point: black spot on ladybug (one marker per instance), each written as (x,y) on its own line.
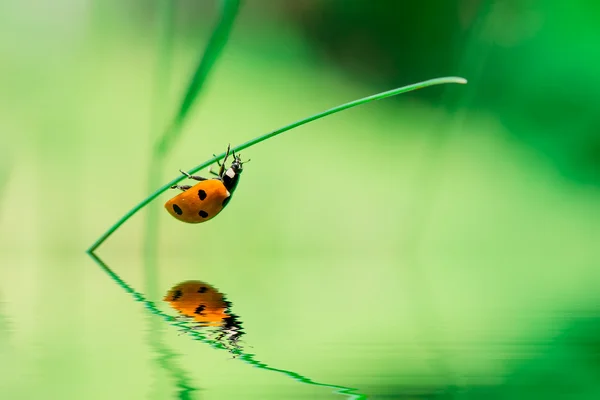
(203,213)
(229,322)
(202,289)
(226,200)
(176,295)
(177,210)
(201,194)
(199,309)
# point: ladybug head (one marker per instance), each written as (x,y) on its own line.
(231,176)
(237,164)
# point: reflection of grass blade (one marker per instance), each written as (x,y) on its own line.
(167,359)
(197,335)
(364,100)
(216,43)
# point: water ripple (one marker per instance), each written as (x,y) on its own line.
(184,325)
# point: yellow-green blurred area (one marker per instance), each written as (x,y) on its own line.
(443,244)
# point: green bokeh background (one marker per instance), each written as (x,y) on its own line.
(443,244)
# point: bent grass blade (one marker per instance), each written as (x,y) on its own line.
(250,143)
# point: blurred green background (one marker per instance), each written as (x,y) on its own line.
(441,244)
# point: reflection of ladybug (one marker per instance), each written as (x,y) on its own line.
(200,301)
(206,308)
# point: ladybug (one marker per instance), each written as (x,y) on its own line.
(206,199)
(200,301)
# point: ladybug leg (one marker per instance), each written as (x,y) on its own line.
(222,169)
(197,178)
(194,177)
(182,187)
(213,172)
(227,153)
(218,162)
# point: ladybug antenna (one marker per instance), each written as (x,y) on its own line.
(239,158)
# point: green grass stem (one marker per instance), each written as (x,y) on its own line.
(364,100)
(213,50)
(163,144)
